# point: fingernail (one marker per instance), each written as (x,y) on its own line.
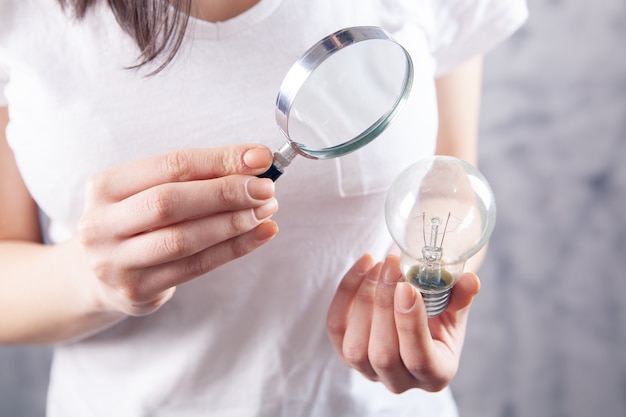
(363,265)
(405,297)
(266,210)
(391,278)
(374,273)
(265,231)
(257,157)
(260,188)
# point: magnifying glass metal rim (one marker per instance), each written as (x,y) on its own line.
(298,75)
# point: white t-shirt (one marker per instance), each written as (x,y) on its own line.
(247,339)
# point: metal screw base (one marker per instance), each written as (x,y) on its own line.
(436,303)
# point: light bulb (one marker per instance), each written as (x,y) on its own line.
(440,211)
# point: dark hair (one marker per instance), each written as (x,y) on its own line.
(158,26)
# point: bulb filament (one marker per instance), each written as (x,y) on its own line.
(431,272)
(435,224)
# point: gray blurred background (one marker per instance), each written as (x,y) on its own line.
(547,335)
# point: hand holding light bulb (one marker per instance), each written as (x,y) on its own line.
(440,211)
(378,326)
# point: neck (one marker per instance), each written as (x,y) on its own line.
(220,10)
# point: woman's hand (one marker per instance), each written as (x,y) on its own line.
(155,223)
(378,325)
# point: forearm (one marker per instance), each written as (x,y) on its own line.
(458,102)
(47,294)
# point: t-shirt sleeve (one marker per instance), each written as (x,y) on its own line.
(463,29)
(4,80)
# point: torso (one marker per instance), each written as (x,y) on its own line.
(247,339)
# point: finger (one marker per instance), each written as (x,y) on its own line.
(464,292)
(125,180)
(118,301)
(341,305)
(171,203)
(383,351)
(169,275)
(449,328)
(188,238)
(357,336)
(417,349)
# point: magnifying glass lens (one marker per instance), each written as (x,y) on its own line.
(345,98)
(340,95)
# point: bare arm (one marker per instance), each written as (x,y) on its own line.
(458,97)
(36,280)
(143,232)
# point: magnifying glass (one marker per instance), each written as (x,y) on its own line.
(340,95)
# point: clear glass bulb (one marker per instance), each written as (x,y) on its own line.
(440,211)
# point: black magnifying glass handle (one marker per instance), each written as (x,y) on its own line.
(282,158)
(272,173)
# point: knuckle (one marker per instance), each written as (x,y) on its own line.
(396,388)
(226,193)
(335,326)
(365,294)
(177,166)
(433,378)
(222,163)
(383,299)
(355,356)
(146,307)
(199,264)
(173,242)
(436,384)
(87,230)
(225,161)
(421,368)
(135,290)
(238,247)
(132,294)
(210,259)
(98,185)
(384,360)
(101,268)
(239,222)
(161,203)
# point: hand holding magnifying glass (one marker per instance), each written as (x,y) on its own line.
(342,94)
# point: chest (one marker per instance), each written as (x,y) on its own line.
(77,109)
